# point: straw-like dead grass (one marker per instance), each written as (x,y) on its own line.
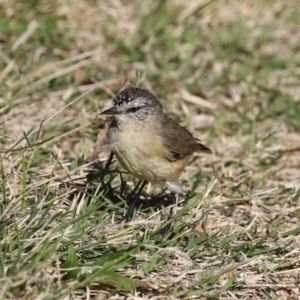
(228,71)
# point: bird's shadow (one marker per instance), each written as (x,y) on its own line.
(100,184)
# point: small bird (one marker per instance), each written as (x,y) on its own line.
(147,143)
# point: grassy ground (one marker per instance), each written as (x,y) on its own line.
(228,71)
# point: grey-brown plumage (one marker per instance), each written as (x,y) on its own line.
(147,143)
(179,141)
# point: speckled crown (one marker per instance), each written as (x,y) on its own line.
(131,94)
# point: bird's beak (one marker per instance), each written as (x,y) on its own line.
(111,111)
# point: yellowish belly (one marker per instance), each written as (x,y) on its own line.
(146,158)
(150,169)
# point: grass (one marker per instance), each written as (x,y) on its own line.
(228,72)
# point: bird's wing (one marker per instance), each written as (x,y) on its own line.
(178,141)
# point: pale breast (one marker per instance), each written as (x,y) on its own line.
(143,155)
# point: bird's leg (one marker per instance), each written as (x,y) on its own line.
(132,203)
(165,230)
(173,202)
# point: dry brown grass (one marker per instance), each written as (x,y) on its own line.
(228,70)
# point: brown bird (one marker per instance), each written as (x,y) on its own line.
(147,143)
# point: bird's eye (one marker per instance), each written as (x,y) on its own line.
(133,109)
